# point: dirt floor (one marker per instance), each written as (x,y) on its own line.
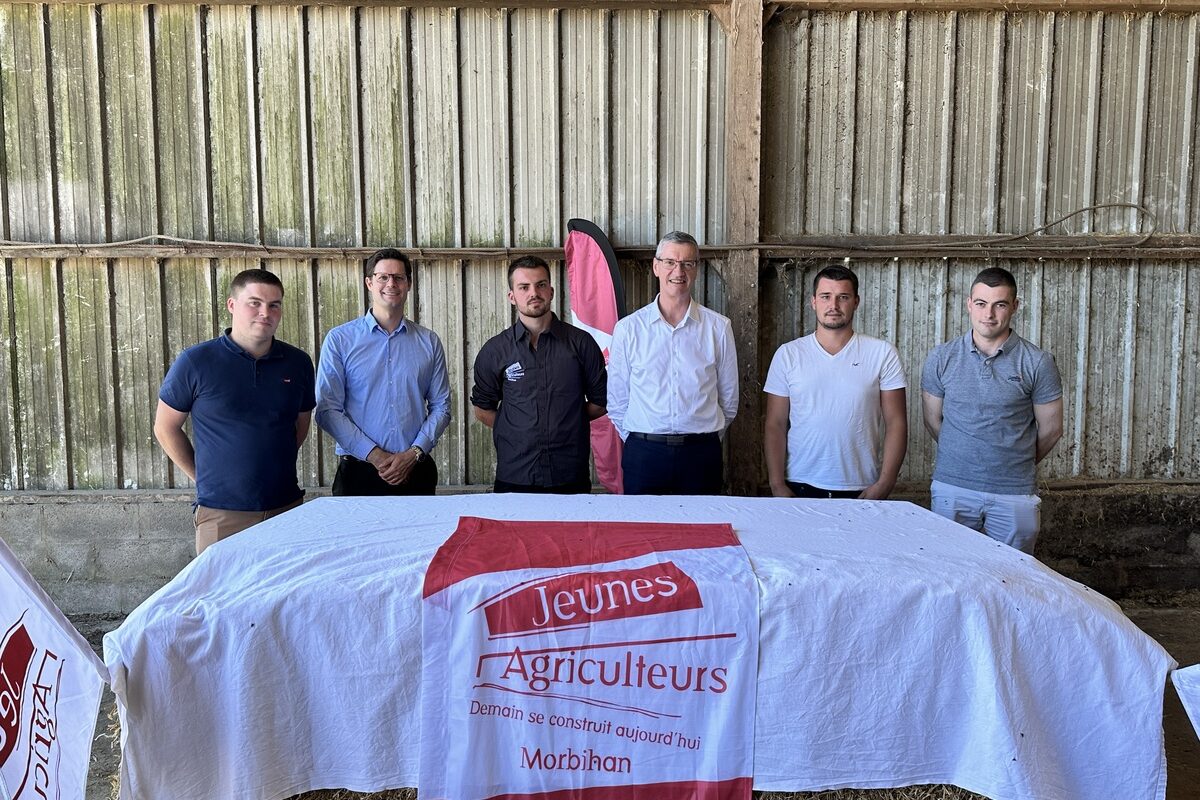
(1172,618)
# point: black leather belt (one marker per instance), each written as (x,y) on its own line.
(672,439)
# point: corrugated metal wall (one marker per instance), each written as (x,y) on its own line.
(333,127)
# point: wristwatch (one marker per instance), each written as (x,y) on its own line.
(420,453)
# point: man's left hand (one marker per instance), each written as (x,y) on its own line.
(877,491)
(402,466)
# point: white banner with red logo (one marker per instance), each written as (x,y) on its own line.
(50,686)
(589,659)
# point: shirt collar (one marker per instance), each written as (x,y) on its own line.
(1009,343)
(693,312)
(234,347)
(555,329)
(370,323)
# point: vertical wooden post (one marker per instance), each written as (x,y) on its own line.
(743,125)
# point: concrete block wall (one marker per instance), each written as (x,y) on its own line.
(103,553)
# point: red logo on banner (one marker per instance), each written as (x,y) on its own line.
(15,657)
(582,598)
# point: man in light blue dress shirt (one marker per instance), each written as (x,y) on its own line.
(383,392)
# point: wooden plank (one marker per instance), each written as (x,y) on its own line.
(282,131)
(536,132)
(682,158)
(182,150)
(1029,64)
(233,135)
(439,305)
(333,92)
(978,120)
(340,297)
(488,312)
(928,115)
(586,122)
(454,4)
(27,151)
(387,146)
(188,286)
(139,333)
(486,135)
(832,127)
(130,130)
(1147,6)
(745,471)
(1074,121)
(1187,457)
(717,190)
(9,449)
(635,79)
(92,423)
(42,414)
(785,135)
(1158,369)
(435,103)
(880,135)
(79,157)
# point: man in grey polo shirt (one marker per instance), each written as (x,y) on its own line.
(993,402)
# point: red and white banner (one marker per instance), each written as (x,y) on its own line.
(50,685)
(597,302)
(573,660)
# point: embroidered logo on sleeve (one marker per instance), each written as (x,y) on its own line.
(514,371)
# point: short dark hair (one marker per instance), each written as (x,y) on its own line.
(527,262)
(836,272)
(996,276)
(248,276)
(388,254)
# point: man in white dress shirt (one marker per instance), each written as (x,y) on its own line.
(835,400)
(673,382)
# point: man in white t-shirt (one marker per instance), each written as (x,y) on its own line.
(829,394)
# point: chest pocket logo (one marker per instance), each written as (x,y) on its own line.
(514,371)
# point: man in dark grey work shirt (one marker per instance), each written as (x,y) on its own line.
(538,386)
(993,402)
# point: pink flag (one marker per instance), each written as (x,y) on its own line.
(597,302)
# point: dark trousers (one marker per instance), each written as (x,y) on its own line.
(581,486)
(356,478)
(684,464)
(816,493)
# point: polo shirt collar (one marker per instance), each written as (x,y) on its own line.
(1012,341)
(693,312)
(237,349)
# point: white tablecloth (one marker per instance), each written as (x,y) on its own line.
(896,648)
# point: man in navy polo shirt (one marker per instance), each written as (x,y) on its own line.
(250,397)
(994,404)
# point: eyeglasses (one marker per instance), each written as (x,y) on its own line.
(385,278)
(671,263)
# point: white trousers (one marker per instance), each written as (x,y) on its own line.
(1010,518)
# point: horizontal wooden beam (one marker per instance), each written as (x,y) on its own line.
(545,4)
(1142,6)
(1170,248)
(717,6)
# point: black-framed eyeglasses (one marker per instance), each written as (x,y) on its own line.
(398,278)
